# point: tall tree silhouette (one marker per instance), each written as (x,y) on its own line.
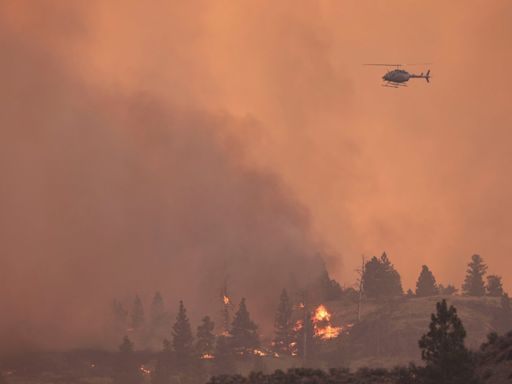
(205,344)
(159,319)
(283,325)
(494,286)
(126,370)
(183,342)
(426,284)
(447,360)
(244,336)
(380,279)
(138,318)
(474,281)
(119,317)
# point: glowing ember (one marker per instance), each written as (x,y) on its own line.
(144,370)
(207,356)
(298,325)
(259,352)
(226,300)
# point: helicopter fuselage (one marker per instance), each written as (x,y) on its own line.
(397,76)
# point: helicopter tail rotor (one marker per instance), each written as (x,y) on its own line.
(427,76)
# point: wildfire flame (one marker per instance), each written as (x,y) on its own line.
(226,300)
(207,356)
(321,314)
(322,324)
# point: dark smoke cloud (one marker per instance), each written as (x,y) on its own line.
(106,194)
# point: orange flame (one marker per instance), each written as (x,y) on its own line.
(207,356)
(226,300)
(322,324)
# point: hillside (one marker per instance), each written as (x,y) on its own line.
(388,332)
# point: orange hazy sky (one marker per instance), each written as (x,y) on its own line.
(422,173)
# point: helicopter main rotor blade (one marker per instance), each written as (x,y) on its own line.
(419,64)
(386,65)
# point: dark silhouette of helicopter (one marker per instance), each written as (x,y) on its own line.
(398,77)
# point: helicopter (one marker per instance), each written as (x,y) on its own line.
(398,77)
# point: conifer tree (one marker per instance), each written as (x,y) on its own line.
(137,319)
(426,285)
(159,320)
(442,348)
(244,332)
(126,370)
(224,363)
(205,338)
(494,286)
(120,317)
(163,367)
(283,325)
(474,282)
(380,279)
(183,342)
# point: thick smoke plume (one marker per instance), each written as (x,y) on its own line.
(107,194)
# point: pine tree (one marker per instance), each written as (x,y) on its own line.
(163,367)
(505,304)
(205,337)
(474,282)
(159,320)
(409,294)
(138,319)
(283,325)
(494,286)
(442,348)
(126,370)
(244,332)
(380,279)
(182,342)
(426,285)
(120,318)
(224,363)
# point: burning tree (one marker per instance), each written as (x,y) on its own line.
(244,336)
(322,324)
(227,307)
(284,335)
(205,338)
(127,370)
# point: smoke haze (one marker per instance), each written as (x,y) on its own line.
(168,146)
